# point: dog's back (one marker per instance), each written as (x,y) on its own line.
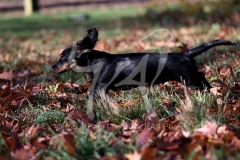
(126,71)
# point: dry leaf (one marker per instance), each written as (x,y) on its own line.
(134,156)
(69,143)
(210,128)
(6,75)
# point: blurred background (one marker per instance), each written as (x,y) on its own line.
(34,32)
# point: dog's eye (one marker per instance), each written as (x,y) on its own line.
(63,57)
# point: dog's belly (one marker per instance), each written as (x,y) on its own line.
(126,83)
(129,78)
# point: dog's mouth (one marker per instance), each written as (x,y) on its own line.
(63,71)
(58,71)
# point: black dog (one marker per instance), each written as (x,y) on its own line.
(127,71)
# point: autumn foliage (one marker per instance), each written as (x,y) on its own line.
(41,118)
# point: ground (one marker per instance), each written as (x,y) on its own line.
(41,119)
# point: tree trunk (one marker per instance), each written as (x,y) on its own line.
(30,6)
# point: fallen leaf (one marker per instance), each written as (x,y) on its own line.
(144,137)
(209,128)
(6,75)
(133,156)
(69,143)
(137,125)
(40,142)
(20,95)
(30,131)
(13,141)
(113,158)
(236,143)
(149,153)
(5,91)
(216,91)
(81,117)
(226,72)
(152,121)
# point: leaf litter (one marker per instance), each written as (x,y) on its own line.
(155,136)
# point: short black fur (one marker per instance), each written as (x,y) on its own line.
(140,69)
(159,67)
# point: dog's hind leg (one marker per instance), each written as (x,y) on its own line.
(197,81)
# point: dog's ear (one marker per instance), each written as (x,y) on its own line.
(82,54)
(92,33)
(89,41)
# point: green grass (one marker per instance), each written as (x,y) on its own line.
(49,33)
(148,100)
(24,27)
(104,144)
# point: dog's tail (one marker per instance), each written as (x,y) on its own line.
(198,50)
(90,40)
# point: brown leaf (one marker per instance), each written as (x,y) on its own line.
(152,121)
(167,103)
(144,137)
(184,47)
(82,88)
(75,114)
(125,126)
(69,143)
(133,156)
(216,91)
(6,75)
(210,128)
(126,132)
(207,70)
(23,153)
(69,107)
(8,126)
(36,90)
(149,153)
(222,130)
(54,103)
(113,158)
(226,72)
(130,103)
(13,141)
(220,82)
(137,125)
(106,125)
(20,95)
(236,143)
(80,116)
(5,91)
(31,131)
(40,142)
(151,116)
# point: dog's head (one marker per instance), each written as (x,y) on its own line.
(65,61)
